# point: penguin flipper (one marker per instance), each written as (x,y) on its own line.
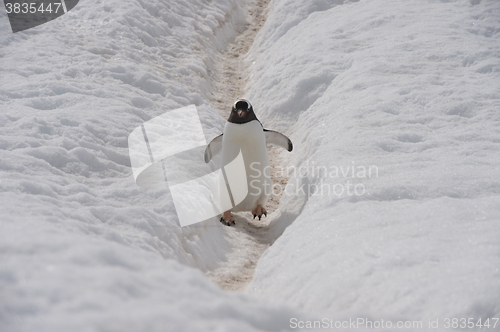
(213,148)
(278,139)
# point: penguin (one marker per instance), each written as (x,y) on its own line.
(245,133)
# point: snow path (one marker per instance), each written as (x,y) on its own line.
(82,247)
(231,68)
(410,87)
(249,238)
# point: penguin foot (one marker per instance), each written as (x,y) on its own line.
(259,211)
(227,219)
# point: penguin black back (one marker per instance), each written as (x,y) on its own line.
(242,112)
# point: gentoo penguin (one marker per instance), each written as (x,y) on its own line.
(244,132)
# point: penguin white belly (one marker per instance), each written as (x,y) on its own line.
(250,139)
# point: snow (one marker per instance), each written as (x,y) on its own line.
(82,247)
(397,102)
(412,90)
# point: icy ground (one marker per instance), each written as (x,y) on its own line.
(411,89)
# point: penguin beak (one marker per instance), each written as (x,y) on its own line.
(241,113)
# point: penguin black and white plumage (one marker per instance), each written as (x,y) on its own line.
(244,132)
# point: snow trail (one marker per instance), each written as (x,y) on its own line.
(249,238)
(231,70)
(81,245)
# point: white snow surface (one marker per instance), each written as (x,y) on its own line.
(412,88)
(82,247)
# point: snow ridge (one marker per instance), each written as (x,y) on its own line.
(414,92)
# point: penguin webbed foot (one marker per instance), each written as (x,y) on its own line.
(227,219)
(259,211)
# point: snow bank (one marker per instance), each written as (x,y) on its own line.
(82,247)
(73,90)
(393,111)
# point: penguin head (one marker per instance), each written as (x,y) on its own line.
(242,112)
